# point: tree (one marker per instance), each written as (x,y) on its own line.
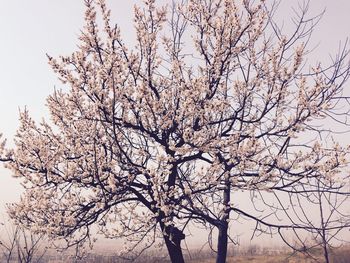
(21,245)
(145,141)
(329,200)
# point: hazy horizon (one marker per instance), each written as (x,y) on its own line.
(32,29)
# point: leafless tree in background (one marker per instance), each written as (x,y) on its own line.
(20,245)
(331,218)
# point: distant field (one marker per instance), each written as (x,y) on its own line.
(261,259)
(341,255)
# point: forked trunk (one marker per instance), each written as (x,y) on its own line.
(173,237)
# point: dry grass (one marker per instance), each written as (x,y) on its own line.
(340,255)
(261,259)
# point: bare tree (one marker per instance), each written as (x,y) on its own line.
(330,219)
(21,245)
(147,140)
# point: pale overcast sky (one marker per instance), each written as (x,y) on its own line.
(30,29)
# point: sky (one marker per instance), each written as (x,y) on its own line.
(31,29)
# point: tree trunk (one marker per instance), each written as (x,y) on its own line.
(222,244)
(324,226)
(173,237)
(223,226)
(325,252)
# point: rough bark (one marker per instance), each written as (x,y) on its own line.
(173,237)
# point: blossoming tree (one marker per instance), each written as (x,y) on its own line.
(213,99)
